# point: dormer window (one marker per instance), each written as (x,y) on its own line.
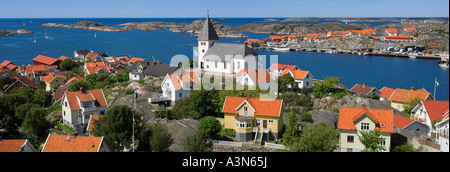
(364,126)
(245,111)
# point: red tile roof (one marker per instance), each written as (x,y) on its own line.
(11,145)
(410,28)
(91,56)
(348,116)
(391,30)
(100,100)
(8,65)
(66,143)
(296,74)
(75,78)
(436,109)
(257,76)
(51,77)
(361,89)
(403,95)
(178,79)
(62,58)
(91,122)
(266,107)
(386,92)
(281,66)
(401,121)
(45,60)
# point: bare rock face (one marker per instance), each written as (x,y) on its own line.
(24,31)
(333,103)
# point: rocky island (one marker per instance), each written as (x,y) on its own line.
(13,32)
(88,25)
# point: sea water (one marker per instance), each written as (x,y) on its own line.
(377,71)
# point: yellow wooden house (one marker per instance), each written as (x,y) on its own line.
(253,118)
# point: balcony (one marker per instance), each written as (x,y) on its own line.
(418,118)
(158,99)
(88,109)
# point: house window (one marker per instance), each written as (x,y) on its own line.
(65,103)
(180,94)
(307,83)
(382,143)
(224,65)
(399,106)
(258,122)
(215,64)
(249,124)
(364,126)
(350,139)
(245,111)
(270,121)
(64,113)
(349,150)
(241,124)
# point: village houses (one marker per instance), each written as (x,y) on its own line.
(78,106)
(253,118)
(354,120)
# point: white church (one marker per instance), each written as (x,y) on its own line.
(227,58)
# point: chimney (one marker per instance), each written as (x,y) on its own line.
(289,63)
(81,90)
(248,96)
(363,106)
(412,88)
(364,85)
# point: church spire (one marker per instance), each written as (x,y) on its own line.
(208,32)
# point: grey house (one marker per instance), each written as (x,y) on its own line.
(142,69)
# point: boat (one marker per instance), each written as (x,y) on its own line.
(95,35)
(34,39)
(412,56)
(47,37)
(281,48)
(443,63)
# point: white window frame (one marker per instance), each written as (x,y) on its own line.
(245,111)
(365,126)
(258,123)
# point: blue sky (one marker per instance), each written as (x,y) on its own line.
(222,8)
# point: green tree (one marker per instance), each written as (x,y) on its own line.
(371,140)
(117,127)
(406,148)
(284,81)
(68,64)
(210,126)
(8,105)
(306,117)
(198,142)
(155,139)
(292,132)
(86,85)
(323,88)
(409,106)
(35,125)
(317,138)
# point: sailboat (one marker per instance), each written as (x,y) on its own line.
(46,36)
(95,35)
(34,39)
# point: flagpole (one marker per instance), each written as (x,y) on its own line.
(134,98)
(434,95)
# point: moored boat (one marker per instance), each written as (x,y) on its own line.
(281,48)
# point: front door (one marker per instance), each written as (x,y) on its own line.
(264,123)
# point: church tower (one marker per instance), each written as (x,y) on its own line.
(206,39)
